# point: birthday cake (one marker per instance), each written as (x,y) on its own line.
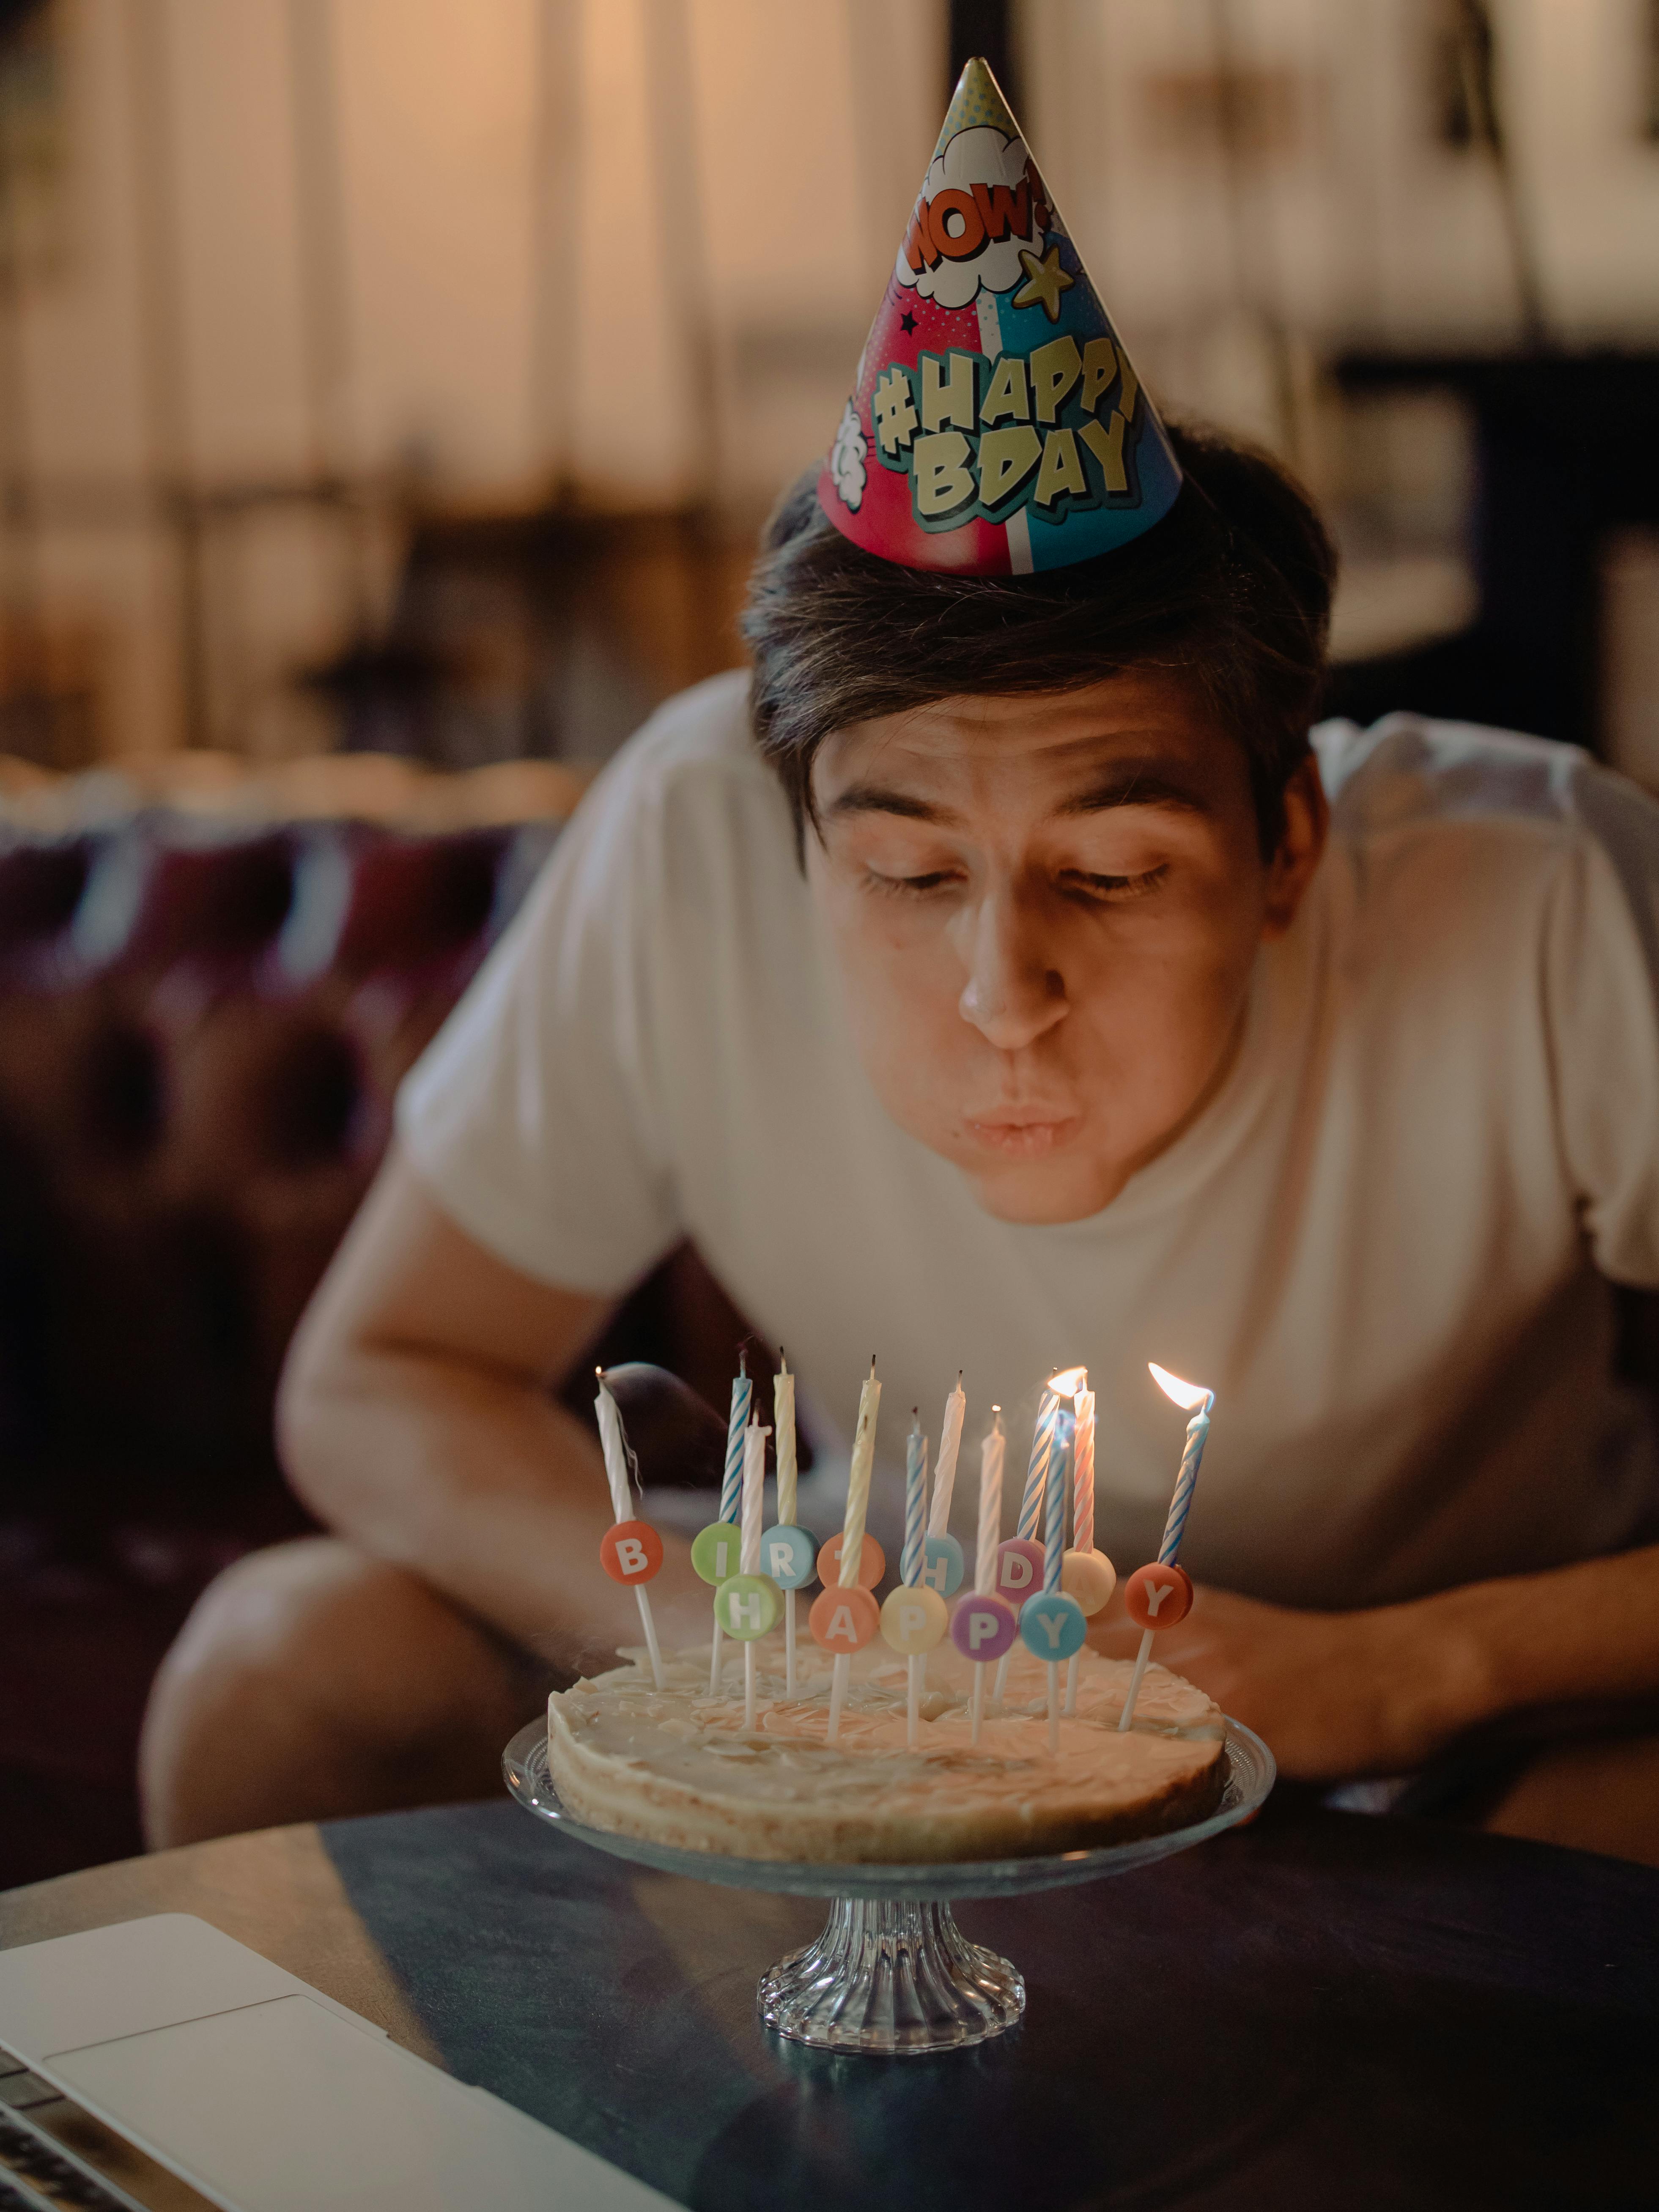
(676,1767)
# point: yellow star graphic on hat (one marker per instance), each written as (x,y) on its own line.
(1045,281)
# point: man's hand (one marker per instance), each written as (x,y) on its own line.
(1331,1693)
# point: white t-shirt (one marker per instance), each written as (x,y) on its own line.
(1379,1245)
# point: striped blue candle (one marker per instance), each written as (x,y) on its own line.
(1031,1506)
(1054,1539)
(915,1504)
(1197,1429)
(731,1484)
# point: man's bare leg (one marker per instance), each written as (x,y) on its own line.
(311,1682)
(1599,1794)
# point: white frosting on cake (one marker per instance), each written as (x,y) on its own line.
(675,1766)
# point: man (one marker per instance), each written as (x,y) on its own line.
(998,979)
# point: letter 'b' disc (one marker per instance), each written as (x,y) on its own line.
(630,1552)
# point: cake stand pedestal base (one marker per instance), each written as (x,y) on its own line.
(892,1972)
(891,1975)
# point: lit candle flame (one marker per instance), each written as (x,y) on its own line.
(1070,1380)
(1189,1394)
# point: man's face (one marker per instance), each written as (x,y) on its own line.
(1046,911)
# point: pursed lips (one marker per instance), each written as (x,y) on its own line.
(1023,1131)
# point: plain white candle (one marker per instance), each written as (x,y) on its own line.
(945,1471)
(754,1493)
(615,1447)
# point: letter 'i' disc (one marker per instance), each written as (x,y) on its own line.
(716,1550)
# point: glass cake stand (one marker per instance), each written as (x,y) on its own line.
(892,1973)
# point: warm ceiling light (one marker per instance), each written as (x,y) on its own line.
(1068,1381)
(1189,1394)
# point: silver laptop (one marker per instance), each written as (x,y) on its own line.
(159,2067)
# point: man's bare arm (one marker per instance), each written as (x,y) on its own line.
(1380,1691)
(415,1419)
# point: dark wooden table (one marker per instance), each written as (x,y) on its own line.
(1319,2011)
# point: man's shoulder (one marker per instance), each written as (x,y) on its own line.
(687,782)
(1411,768)
(1462,840)
(698,737)
(1412,793)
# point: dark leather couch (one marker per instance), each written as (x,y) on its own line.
(201,1027)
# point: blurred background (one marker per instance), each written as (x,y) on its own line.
(390,391)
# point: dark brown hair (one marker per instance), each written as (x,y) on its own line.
(1231,592)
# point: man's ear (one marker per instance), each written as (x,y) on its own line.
(1307,824)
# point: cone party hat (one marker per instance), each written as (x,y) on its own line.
(995,426)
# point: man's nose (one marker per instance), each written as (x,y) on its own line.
(1014,994)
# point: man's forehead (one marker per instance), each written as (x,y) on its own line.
(1095,745)
(1106,717)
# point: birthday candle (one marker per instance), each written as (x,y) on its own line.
(911,1559)
(858,1480)
(945,1473)
(1198,1430)
(1054,1535)
(1053,1546)
(736,1422)
(1037,1471)
(852,1526)
(915,1502)
(754,1492)
(731,1488)
(616,1469)
(990,1503)
(1082,1478)
(1200,1404)
(783,1413)
(990,1534)
(1058,1388)
(1083,1506)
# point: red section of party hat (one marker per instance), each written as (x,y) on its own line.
(996,423)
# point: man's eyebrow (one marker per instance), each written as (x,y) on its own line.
(1138,783)
(878,798)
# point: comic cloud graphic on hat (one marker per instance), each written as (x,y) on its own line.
(996,426)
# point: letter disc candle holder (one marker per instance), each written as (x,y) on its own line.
(892,1974)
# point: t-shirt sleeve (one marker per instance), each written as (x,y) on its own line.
(1601,994)
(532,1116)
